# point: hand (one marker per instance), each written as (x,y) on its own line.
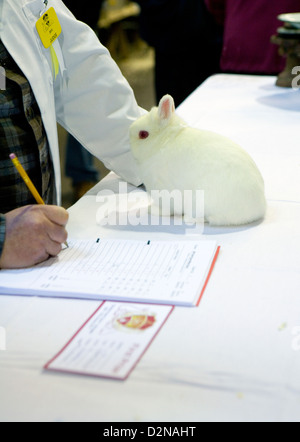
(33,234)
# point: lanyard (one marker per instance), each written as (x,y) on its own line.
(49,29)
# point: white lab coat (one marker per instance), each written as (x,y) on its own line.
(95,103)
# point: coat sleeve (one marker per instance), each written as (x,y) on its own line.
(94,102)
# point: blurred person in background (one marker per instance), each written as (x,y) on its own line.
(187,44)
(248,28)
(79,165)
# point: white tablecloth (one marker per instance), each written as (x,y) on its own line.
(237,356)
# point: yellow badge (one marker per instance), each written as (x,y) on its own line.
(48,27)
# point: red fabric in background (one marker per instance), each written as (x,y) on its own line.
(248,27)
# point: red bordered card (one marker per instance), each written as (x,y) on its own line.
(112,341)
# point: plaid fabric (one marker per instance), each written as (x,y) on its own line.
(22,132)
(2,232)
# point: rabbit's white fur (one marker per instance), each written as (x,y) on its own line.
(171,155)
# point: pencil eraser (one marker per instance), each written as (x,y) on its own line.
(12,156)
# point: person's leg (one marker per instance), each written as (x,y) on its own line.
(79,167)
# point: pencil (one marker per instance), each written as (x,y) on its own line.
(27,181)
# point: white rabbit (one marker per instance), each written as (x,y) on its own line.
(171,155)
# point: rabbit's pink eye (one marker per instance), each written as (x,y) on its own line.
(143,134)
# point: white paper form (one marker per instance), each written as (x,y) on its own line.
(163,272)
(112,341)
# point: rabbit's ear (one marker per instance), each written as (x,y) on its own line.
(166,108)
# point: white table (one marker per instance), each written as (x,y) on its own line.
(237,356)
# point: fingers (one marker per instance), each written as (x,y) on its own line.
(57,215)
(33,233)
(53,249)
(57,233)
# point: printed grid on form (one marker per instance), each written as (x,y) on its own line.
(161,271)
